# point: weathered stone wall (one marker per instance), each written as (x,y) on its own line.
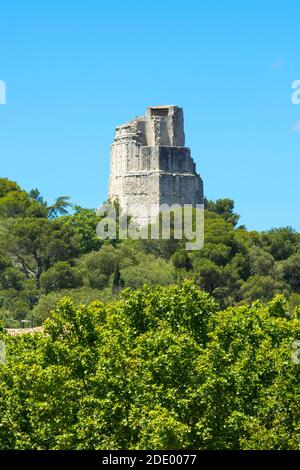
(150,165)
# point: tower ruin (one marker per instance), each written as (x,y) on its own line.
(150,165)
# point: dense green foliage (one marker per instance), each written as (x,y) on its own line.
(146,345)
(162,368)
(46,252)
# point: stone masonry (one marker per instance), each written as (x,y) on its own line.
(150,165)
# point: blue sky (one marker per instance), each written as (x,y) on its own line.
(75,70)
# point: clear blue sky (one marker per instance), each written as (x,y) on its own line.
(76,69)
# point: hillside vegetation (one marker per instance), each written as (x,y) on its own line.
(47,253)
(145,345)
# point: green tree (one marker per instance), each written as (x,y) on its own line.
(161,368)
(59,207)
(261,262)
(208,275)
(34,245)
(15,202)
(262,288)
(223,207)
(281,242)
(84,223)
(60,276)
(292,271)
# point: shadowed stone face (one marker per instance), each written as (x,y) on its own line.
(150,165)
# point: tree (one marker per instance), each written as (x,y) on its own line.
(208,275)
(160,368)
(281,242)
(7,186)
(84,223)
(15,202)
(149,271)
(292,271)
(61,276)
(11,278)
(223,207)
(181,260)
(34,245)
(261,263)
(97,267)
(262,288)
(117,281)
(36,196)
(60,207)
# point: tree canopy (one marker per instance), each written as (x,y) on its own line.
(162,368)
(58,251)
(146,345)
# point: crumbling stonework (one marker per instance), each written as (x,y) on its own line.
(150,164)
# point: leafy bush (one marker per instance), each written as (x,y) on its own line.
(161,368)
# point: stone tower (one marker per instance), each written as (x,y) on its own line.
(150,165)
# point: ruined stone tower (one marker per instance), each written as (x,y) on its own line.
(150,165)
